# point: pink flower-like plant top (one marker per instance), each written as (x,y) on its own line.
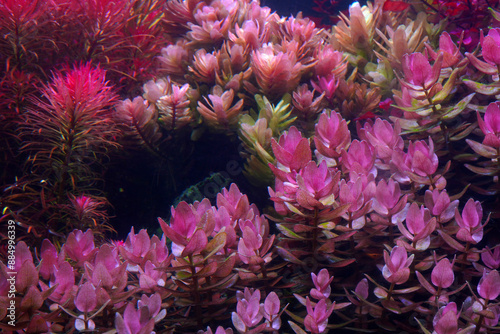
(205,66)
(174,107)
(469,222)
(331,135)
(219,113)
(174,58)
(236,203)
(451,53)
(275,72)
(387,200)
(317,186)
(254,245)
(189,227)
(359,158)
(64,278)
(440,205)
(249,245)
(420,158)
(305,104)
(27,277)
(329,61)
(292,150)
(326,85)
(50,259)
(316,319)
(80,246)
(490,46)
(140,320)
(136,113)
(419,74)
(139,248)
(352,193)
(322,281)
(382,137)
(491,125)
(490,50)
(397,265)
(107,271)
(446,319)
(270,309)
(491,258)
(419,226)
(247,313)
(489,285)
(248,36)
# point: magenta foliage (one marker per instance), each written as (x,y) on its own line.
(419,74)
(250,312)
(367,210)
(317,316)
(292,151)
(321,283)
(397,265)
(491,125)
(140,320)
(446,319)
(471,229)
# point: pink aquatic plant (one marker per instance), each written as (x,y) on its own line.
(419,74)
(316,319)
(491,125)
(220,112)
(274,68)
(292,150)
(471,230)
(397,265)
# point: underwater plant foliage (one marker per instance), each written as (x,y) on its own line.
(188,166)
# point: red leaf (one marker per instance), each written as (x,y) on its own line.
(395,6)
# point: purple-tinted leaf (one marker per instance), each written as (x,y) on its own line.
(207,270)
(224,268)
(459,107)
(427,286)
(218,242)
(451,242)
(32,299)
(287,256)
(86,298)
(196,244)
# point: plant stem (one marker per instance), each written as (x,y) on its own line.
(195,292)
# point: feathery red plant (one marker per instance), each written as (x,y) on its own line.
(70,128)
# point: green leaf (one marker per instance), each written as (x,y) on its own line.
(296,328)
(422,326)
(287,256)
(406,124)
(447,88)
(289,233)
(485,89)
(182,275)
(215,244)
(459,107)
(329,225)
